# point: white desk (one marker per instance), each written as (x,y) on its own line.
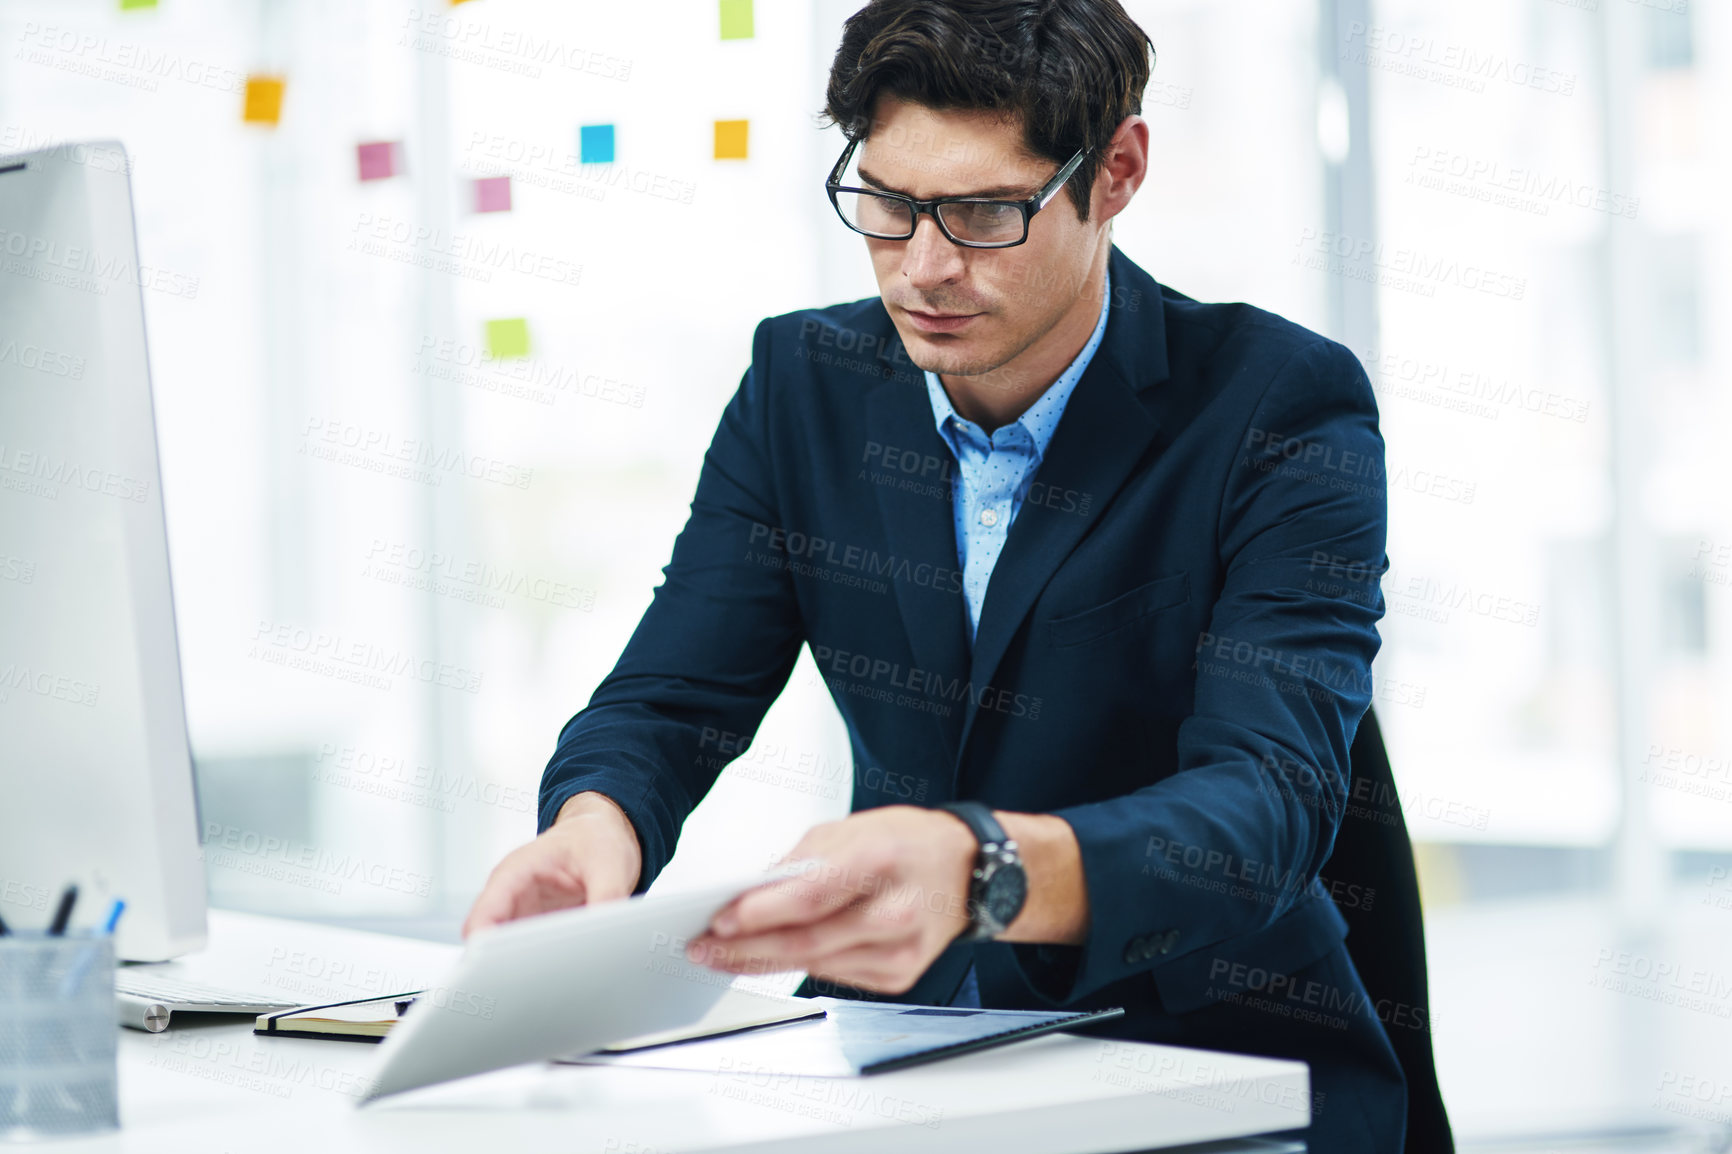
(213,1086)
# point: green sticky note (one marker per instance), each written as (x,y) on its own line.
(736,19)
(128,5)
(508,338)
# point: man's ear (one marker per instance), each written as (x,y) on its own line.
(1123,169)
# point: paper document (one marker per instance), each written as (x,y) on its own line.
(558,983)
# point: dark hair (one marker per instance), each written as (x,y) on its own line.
(1070,70)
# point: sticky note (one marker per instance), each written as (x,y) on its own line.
(129,5)
(264,101)
(378,159)
(508,338)
(736,19)
(731,139)
(493,194)
(595,144)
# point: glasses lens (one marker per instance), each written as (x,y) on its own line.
(876,215)
(983,222)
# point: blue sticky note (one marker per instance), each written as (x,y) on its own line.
(595,144)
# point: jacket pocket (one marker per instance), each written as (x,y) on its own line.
(1125,609)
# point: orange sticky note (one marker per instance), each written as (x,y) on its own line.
(731,139)
(264,104)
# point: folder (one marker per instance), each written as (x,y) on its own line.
(855,1038)
(370,1019)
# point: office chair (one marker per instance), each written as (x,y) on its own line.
(1386,936)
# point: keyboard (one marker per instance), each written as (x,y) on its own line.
(146,1000)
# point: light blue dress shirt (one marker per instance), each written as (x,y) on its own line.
(994,473)
(993,476)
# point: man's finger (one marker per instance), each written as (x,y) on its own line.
(796,947)
(494,906)
(795,902)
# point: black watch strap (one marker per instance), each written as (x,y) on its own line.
(979,819)
(995,863)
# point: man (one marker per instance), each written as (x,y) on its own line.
(1054,534)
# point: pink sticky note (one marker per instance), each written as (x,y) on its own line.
(493,194)
(377,160)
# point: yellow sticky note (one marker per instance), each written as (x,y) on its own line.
(264,103)
(508,338)
(731,139)
(736,19)
(129,5)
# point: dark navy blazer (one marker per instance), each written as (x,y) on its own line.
(1173,654)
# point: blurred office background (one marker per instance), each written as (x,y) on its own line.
(1514,211)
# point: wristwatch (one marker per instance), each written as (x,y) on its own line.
(998,886)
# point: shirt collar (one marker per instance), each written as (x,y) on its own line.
(1040,419)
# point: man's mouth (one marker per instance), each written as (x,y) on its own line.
(928,322)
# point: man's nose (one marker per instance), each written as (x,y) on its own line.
(928,257)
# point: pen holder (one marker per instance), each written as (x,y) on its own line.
(57,1036)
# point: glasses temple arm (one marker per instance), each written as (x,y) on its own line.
(1044,197)
(842,163)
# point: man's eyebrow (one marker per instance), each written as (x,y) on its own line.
(1004,191)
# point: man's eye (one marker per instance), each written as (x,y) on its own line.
(983,220)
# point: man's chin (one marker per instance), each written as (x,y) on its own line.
(944,354)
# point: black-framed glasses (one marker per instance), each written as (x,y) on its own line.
(969,221)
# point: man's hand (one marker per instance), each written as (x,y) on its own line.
(891,895)
(589,854)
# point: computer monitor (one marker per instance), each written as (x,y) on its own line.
(96,781)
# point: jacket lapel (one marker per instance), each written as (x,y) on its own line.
(921,529)
(1106,430)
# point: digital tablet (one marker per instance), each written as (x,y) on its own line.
(563,983)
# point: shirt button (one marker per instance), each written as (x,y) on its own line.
(989,517)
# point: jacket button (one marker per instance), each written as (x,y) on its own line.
(1168,942)
(1134,950)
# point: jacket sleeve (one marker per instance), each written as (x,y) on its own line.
(712,651)
(1234,838)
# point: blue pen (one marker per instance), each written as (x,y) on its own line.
(81,966)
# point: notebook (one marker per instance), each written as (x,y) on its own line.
(855,1038)
(370,1019)
(362,1020)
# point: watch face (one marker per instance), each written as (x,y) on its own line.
(1005,891)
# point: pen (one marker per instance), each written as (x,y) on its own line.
(74,979)
(63,913)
